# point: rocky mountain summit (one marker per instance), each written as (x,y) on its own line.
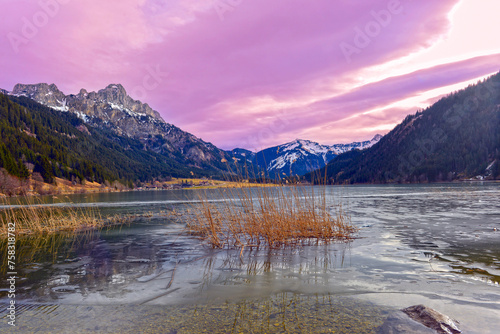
(109,104)
(112,108)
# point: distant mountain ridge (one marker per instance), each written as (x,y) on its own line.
(299,156)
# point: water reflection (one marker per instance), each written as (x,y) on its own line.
(33,251)
(103,263)
(261,272)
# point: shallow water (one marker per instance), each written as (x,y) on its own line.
(429,244)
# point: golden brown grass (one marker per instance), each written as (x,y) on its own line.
(271,217)
(34,218)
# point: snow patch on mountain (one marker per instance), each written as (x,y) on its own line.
(125,110)
(282,161)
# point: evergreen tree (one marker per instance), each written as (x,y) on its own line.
(44,167)
(7,161)
(23,170)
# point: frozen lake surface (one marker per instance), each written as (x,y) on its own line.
(437,245)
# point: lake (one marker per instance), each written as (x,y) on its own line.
(437,245)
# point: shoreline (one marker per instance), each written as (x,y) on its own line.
(97,188)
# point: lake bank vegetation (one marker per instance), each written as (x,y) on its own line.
(33,218)
(270,217)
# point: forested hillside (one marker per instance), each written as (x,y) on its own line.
(38,139)
(457,137)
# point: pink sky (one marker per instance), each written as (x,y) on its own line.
(256,73)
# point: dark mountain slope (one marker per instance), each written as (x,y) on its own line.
(457,137)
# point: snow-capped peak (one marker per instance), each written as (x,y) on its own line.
(301,156)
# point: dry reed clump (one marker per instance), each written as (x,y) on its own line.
(271,217)
(35,218)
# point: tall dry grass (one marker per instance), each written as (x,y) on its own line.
(33,217)
(273,217)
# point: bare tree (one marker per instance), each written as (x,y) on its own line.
(9,185)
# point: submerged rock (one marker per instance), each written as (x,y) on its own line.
(400,323)
(432,319)
(418,319)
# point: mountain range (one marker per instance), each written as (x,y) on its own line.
(298,157)
(108,136)
(112,109)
